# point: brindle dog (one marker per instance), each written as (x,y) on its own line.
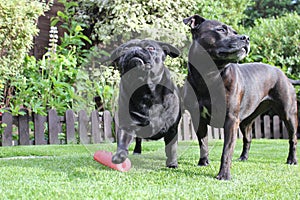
(249,90)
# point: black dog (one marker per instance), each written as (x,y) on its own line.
(244,91)
(149,104)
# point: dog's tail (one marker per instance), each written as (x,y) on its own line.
(294,82)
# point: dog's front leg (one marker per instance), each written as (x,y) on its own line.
(123,141)
(171,142)
(203,143)
(230,135)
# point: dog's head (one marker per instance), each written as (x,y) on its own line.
(222,43)
(146,55)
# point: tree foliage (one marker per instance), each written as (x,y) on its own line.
(270,8)
(228,11)
(76,71)
(17,28)
(277,41)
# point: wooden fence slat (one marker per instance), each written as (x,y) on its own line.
(70,127)
(186,126)
(285,134)
(222,133)
(116,120)
(39,129)
(194,136)
(7,119)
(23,128)
(180,132)
(257,127)
(217,133)
(83,122)
(53,126)
(267,126)
(107,121)
(276,127)
(210,132)
(95,123)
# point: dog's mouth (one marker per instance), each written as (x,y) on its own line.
(233,53)
(139,62)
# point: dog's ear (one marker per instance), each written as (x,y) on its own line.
(115,55)
(194,21)
(169,49)
(115,58)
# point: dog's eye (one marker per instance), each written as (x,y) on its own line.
(222,30)
(150,48)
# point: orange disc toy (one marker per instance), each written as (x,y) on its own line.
(104,158)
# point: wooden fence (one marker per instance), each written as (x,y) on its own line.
(263,127)
(53,129)
(94,128)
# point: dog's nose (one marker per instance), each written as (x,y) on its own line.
(245,38)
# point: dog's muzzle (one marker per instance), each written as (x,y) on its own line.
(138,62)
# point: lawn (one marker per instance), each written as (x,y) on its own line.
(69,172)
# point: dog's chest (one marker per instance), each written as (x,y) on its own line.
(144,98)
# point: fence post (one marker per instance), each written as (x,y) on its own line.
(7,119)
(83,122)
(23,128)
(210,132)
(70,127)
(257,125)
(95,123)
(39,133)
(276,127)
(285,134)
(107,119)
(267,126)
(222,133)
(53,126)
(186,127)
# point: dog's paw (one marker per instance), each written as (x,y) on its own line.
(223,176)
(119,157)
(203,162)
(172,166)
(243,158)
(136,153)
(292,161)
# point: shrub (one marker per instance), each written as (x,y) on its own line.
(227,11)
(18,27)
(50,82)
(269,8)
(115,22)
(276,41)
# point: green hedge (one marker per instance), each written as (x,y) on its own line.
(75,75)
(17,28)
(276,41)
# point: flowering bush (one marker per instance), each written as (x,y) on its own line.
(18,27)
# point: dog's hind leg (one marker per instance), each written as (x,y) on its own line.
(291,125)
(246,128)
(247,138)
(138,146)
(287,110)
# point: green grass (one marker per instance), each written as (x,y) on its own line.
(69,172)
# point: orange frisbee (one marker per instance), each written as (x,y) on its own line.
(104,158)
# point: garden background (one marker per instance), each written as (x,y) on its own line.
(72,70)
